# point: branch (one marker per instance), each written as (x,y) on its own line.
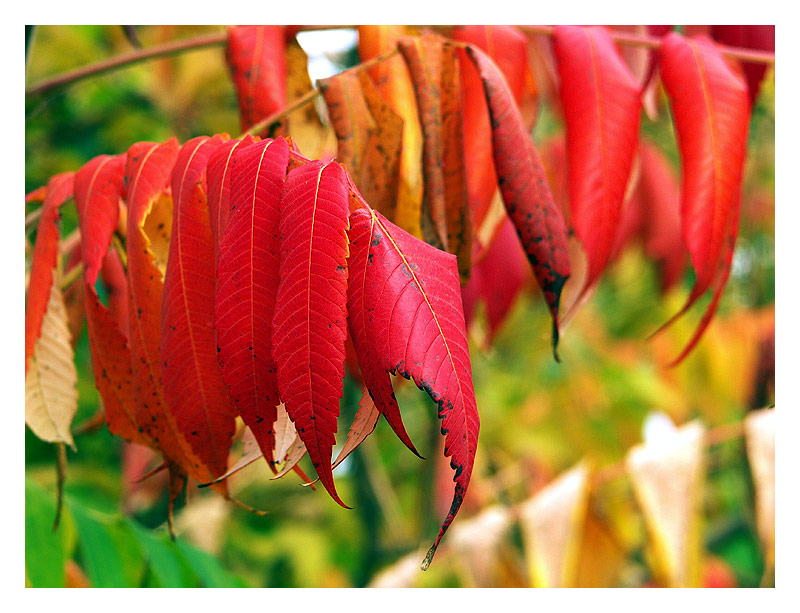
(635,40)
(300,102)
(121,61)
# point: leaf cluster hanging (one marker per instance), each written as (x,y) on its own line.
(244,273)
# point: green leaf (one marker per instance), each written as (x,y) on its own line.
(208,568)
(44,549)
(163,558)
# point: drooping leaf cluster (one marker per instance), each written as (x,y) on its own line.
(250,272)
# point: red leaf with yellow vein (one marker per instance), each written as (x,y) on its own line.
(602,107)
(507,47)
(310,321)
(415,327)
(98,188)
(193,385)
(526,194)
(711,112)
(257,60)
(218,175)
(247,283)
(44,259)
(376,378)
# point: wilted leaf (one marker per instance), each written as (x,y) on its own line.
(51,399)
(392,82)
(525,192)
(760,439)
(476,542)
(363,425)
(552,526)
(667,476)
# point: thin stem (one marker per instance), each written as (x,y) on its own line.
(71,276)
(300,102)
(121,61)
(638,40)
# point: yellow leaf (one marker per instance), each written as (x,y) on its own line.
(667,476)
(552,524)
(476,542)
(51,398)
(760,441)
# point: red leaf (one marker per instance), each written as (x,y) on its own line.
(525,192)
(711,113)
(507,47)
(247,283)
(44,259)
(257,59)
(98,188)
(761,37)
(310,322)
(193,384)
(660,198)
(376,377)
(147,173)
(498,278)
(416,329)
(115,282)
(219,187)
(602,107)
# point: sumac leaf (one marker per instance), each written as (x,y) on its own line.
(99,185)
(507,47)
(44,259)
(310,321)
(257,60)
(247,283)
(602,107)
(218,176)
(193,385)
(524,187)
(711,112)
(148,171)
(416,327)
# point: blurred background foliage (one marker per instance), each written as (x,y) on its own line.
(538,418)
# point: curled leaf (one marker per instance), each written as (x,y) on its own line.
(526,194)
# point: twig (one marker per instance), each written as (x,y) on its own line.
(120,61)
(638,40)
(300,102)
(71,276)
(61,477)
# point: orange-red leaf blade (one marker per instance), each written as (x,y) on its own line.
(44,259)
(193,385)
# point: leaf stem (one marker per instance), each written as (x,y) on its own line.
(638,40)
